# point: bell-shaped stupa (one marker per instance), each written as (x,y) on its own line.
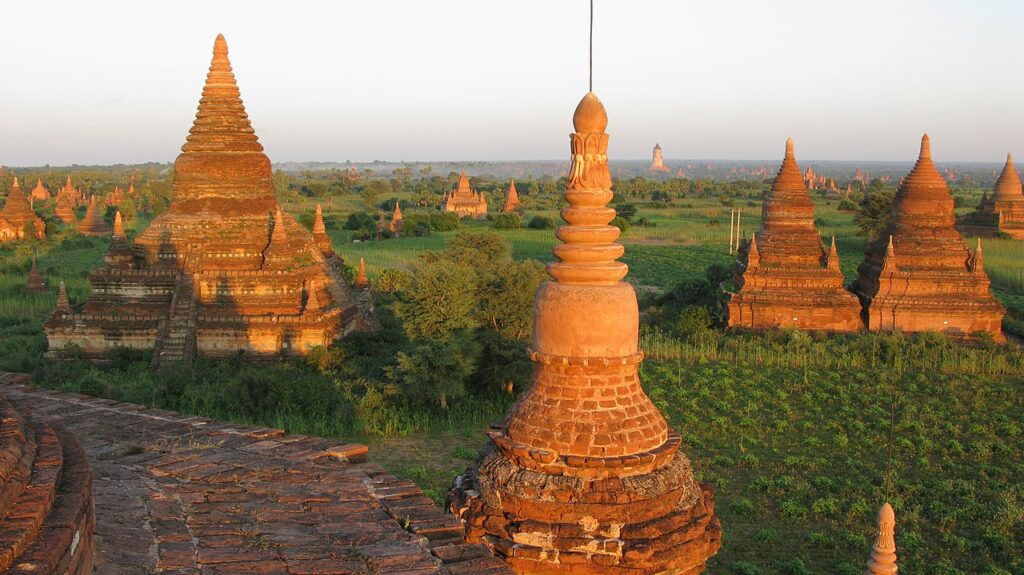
(1002,213)
(918,275)
(584,475)
(794,282)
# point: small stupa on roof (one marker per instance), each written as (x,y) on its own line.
(918,275)
(224,269)
(362,281)
(17,220)
(585,476)
(1002,213)
(93,223)
(465,201)
(787,278)
(512,202)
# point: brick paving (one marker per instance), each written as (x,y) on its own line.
(184,495)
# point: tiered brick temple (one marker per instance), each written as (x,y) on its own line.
(919,275)
(47,516)
(585,476)
(786,277)
(512,202)
(397,223)
(17,220)
(224,269)
(1003,211)
(658,160)
(465,201)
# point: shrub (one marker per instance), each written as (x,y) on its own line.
(621,223)
(506,221)
(541,223)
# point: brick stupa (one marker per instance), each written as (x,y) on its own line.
(17,220)
(658,160)
(465,201)
(93,223)
(40,193)
(1002,213)
(224,269)
(786,276)
(512,202)
(584,475)
(397,223)
(918,275)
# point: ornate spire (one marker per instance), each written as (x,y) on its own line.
(361,280)
(93,224)
(924,180)
(277,234)
(589,252)
(883,554)
(397,215)
(1008,186)
(512,202)
(889,261)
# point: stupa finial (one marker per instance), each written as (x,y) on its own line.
(883,554)
(118,225)
(926,147)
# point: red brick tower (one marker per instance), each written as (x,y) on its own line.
(585,476)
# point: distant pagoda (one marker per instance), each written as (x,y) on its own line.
(224,268)
(1002,212)
(35,282)
(39,193)
(397,223)
(93,223)
(67,200)
(658,160)
(512,202)
(584,476)
(787,277)
(17,220)
(465,201)
(918,275)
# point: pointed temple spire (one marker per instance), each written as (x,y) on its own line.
(35,282)
(40,192)
(1008,186)
(930,286)
(883,553)
(118,226)
(63,303)
(1003,212)
(584,475)
(397,223)
(833,256)
(318,221)
(362,281)
(790,279)
(320,238)
(93,223)
(17,220)
(464,200)
(512,202)
(277,234)
(312,303)
(223,135)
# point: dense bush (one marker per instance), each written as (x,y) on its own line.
(506,221)
(541,223)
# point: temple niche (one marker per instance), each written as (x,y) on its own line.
(224,268)
(17,220)
(585,476)
(786,277)
(1002,213)
(918,275)
(465,201)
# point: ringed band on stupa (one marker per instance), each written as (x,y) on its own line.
(224,269)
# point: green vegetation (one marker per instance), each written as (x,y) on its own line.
(792,429)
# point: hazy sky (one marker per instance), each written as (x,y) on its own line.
(119,81)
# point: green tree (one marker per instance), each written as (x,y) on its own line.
(436,370)
(439,300)
(872,214)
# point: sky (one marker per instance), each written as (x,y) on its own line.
(411,80)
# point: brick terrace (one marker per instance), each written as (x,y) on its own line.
(186,495)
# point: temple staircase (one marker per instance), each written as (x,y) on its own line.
(176,339)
